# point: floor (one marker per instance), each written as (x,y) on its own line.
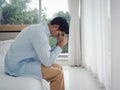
(77,78)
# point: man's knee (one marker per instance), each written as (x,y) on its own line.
(60,74)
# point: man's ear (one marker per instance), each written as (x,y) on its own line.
(56,26)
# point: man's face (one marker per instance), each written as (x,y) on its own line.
(58,33)
(55,32)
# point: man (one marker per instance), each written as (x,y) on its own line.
(30,54)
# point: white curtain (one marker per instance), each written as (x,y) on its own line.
(96,40)
(74,36)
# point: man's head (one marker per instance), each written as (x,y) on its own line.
(59,25)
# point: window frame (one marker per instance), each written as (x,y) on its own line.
(63,56)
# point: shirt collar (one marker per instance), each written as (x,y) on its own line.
(47,31)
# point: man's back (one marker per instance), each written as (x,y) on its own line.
(22,52)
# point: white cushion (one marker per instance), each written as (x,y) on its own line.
(21,83)
(4,46)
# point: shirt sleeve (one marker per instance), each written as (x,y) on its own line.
(40,43)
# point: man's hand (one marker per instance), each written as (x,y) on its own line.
(55,65)
(62,40)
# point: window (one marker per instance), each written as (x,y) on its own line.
(17,14)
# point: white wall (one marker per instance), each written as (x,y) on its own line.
(115,42)
(6,36)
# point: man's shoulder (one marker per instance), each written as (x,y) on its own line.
(36,26)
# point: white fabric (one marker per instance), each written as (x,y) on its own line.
(74,36)
(4,46)
(20,83)
(96,39)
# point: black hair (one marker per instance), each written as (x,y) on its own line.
(63,25)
